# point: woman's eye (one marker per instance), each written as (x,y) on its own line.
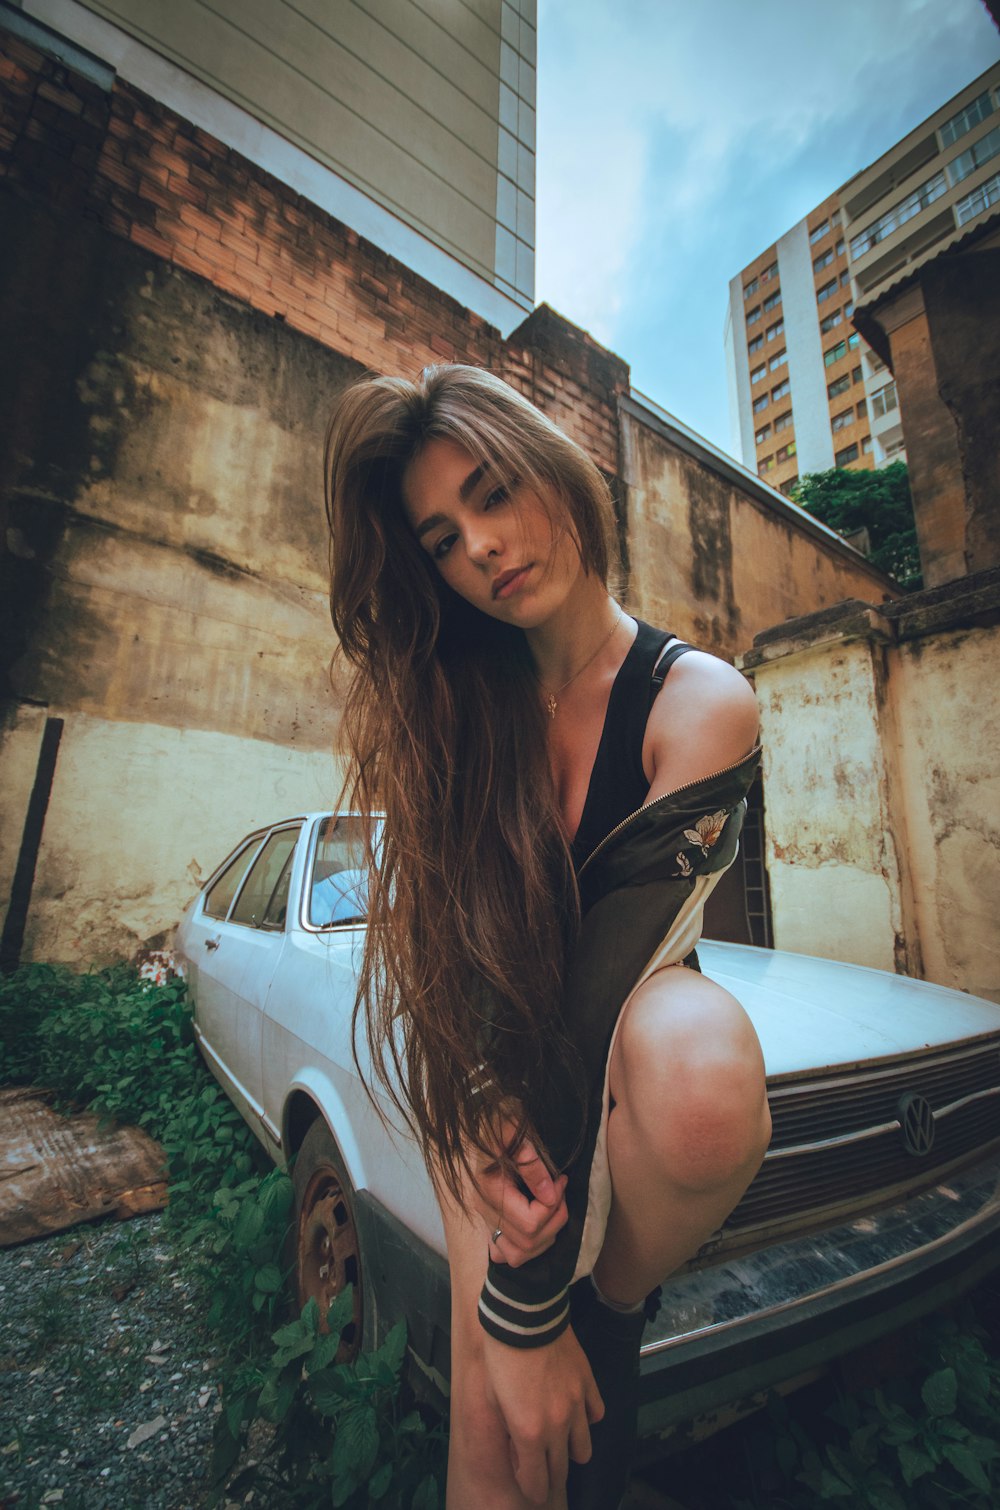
(442,547)
(499,495)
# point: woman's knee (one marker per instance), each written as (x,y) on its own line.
(689,1074)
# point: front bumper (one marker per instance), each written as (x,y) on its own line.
(728,1331)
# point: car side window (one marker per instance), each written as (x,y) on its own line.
(219,898)
(260,903)
(338,892)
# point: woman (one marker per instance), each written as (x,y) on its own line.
(588,1104)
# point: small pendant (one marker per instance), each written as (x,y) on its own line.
(551,704)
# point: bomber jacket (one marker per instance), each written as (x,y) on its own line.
(642,896)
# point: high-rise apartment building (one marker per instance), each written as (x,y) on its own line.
(806,393)
(796,380)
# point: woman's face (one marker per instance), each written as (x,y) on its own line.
(499,547)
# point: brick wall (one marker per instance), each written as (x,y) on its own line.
(149,176)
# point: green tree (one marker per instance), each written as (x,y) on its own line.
(878,502)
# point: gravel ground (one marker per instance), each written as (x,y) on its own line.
(107,1376)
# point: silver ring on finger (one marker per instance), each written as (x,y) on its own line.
(497,1235)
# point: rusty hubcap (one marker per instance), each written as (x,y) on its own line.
(328,1254)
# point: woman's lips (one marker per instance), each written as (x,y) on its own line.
(509,582)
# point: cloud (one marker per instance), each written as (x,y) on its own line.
(677,141)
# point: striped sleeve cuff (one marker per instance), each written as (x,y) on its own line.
(522,1323)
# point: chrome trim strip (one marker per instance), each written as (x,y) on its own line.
(839,1142)
(954,1106)
(947,1057)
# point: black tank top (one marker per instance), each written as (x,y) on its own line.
(618,784)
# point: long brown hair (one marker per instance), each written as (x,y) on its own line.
(473,902)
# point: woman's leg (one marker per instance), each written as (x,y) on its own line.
(688,1131)
(480,1473)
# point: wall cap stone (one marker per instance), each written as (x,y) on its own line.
(965,603)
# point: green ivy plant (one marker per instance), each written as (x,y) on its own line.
(339,1434)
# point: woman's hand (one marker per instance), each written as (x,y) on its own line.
(548,1401)
(528,1224)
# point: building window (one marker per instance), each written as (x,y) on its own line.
(835,353)
(786,451)
(842,420)
(840,247)
(783,421)
(775,330)
(760,403)
(758,373)
(831,320)
(845,278)
(749,289)
(753,316)
(779,360)
(755,344)
(835,218)
(862,409)
(849,308)
(822,294)
(818,232)
(979,200)
(884,400)
(894,447)
(788,484)
(839,386)
(866,444)
(853,341)
(769,273)
(977,110)
(762,435)
(781,390)
(766,464)
(899,215)
(846,456)
(823,260)
(855,374)
(772,299)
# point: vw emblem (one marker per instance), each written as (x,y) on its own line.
(916,1123)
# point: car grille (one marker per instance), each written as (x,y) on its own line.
(805,1171)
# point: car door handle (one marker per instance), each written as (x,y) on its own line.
(213,943)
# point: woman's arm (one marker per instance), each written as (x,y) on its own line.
(703,719)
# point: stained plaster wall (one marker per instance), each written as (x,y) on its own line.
(880,738)
(719,560)
(170,583)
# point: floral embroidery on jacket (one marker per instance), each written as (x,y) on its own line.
(705,833)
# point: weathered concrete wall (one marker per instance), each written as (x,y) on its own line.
(717,556)
(140,814)
(830,854)
(880,734)
(947,767)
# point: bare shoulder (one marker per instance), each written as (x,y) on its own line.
(703,719)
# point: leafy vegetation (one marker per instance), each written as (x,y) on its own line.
(324,1432)
(879,502)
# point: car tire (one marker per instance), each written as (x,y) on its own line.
(327,1252)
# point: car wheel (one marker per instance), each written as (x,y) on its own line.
(327,1252)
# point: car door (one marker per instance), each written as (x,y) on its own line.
(240,952)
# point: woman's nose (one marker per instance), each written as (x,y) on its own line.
(483,541)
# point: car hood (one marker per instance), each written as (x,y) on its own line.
(813,1014)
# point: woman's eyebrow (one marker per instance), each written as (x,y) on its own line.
(465,491)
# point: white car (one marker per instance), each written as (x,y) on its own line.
(878,1200)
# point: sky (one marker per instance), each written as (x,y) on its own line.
(677,139)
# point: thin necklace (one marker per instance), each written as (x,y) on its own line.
(551,702)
